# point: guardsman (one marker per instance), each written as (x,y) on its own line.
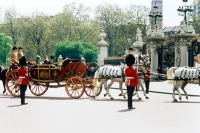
(131,78)
(23,78)
(20,52)
(147,79)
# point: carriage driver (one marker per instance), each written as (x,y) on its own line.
(20,53)
(13,59)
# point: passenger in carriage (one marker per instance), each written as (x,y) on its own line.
(49,61)
(38,60)
(131,78)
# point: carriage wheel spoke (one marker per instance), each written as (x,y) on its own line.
(78,92)
(39,88)
(72,92)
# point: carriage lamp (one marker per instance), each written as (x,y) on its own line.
(185,10)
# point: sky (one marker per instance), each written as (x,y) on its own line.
(52,7)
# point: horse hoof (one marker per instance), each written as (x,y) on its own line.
(111,98)
(187,98)
(124,97)
(180,98)
(104,95)
(120,94)
(147,97)
(175,100)
(4,92)
(139,99)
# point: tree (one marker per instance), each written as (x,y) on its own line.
(120,25)
(35,32)
(76,50)
(11,26)
(6,46)
(74,24)
(196,24)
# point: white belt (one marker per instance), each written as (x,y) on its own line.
(21,77)
(130,78)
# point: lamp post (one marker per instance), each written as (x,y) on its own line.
(185,10)
(155,15)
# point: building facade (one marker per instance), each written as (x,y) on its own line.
(158,3)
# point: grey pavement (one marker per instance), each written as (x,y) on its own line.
(55,112)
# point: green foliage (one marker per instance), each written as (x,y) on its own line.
(75,50)
(5,47)
(38,33)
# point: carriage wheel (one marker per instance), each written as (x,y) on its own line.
(90,90)
(74,87)
(37,89)
(12,83)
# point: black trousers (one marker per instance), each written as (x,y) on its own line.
(147,86)
(22,93)
(130,91)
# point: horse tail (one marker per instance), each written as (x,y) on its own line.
(170,75)
(95,80)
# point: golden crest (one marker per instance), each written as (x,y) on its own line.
(55,74)
(44,74)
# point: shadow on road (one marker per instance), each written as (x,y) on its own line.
(116,100)
(124,110)
(181,102)
(43,97)
(14,106)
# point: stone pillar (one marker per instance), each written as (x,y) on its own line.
(155,43)
(102,49)
(182,42)
(154,58)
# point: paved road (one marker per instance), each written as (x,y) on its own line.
(55,112)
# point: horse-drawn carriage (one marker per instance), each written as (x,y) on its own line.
(70,75)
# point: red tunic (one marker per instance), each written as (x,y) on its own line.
(147,75)
(23,76)
(131,76)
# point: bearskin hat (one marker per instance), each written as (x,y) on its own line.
(14,48)
(20,48)
(130,60)
(22,61)
(51,56)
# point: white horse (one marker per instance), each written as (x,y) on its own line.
(180,77)
(115,74)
